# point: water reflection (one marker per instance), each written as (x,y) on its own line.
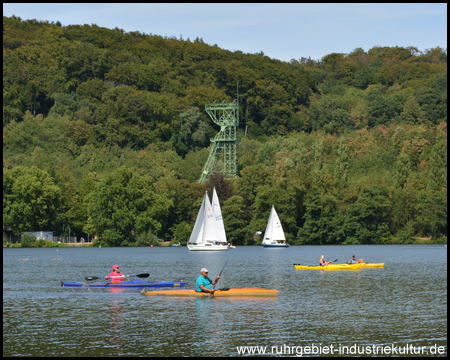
(203,314)
(116,322)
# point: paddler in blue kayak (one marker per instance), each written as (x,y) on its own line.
(115,275)
(204,282)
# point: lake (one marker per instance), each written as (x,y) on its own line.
(397,310)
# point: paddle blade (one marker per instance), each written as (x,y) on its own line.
(89,278)
(142,275)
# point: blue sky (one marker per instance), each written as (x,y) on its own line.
(281,31)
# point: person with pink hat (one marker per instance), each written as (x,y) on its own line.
(115,275)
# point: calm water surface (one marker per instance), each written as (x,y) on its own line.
(404,304)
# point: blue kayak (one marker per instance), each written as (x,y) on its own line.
(129,283)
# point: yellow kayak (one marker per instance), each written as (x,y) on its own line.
(362,265)
(226,292)
(330,267)
(372,265)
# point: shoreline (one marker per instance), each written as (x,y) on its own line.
(88,244)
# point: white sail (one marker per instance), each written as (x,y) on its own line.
(205,235)
(274,230)
(277,229)
(197,232)
(218,216)
(209,230)
(268,233)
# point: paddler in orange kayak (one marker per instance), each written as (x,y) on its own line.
(204,282)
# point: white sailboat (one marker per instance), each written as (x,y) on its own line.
(209,231)
(220,227)
(274,235)
(219,220)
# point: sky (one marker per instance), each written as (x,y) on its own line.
(281,31)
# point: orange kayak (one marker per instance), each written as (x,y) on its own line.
(225,292)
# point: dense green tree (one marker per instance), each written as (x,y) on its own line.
(367,218)
(79,132)
(92,91)
(118,207)
(151,75)
(379,110)
(235,218)
(82,61)
(251,178)
(402,170)
(437,173)
(321,220)
(403,212)
(330,113)
(433,99)
(341,167)
(268,150)
(364,77)
(64,102)
(194,132)
(248,151)
(31,200)
(412,113)
(179,194)
(182,233)
(223,187)
(318,160)
(431,210)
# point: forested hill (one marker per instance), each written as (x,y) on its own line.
(106,131)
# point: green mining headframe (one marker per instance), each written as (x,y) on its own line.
(224,153)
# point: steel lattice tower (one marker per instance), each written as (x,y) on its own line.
(225,143)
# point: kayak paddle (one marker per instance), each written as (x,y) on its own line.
(332,261)
(219,275)
(102,277)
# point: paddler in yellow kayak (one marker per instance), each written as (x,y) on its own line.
(323,262)
(204,282)
(353,260)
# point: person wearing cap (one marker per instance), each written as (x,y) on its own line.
(204,282)
(353,260)
(115,275)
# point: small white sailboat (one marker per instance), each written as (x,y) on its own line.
(274,235)
(220,227)
(209,231)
